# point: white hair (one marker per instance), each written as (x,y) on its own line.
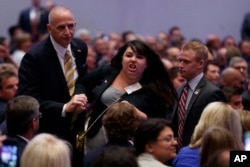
(46,150)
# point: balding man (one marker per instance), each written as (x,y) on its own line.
(231,77)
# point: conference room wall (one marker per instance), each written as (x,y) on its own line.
(196,18)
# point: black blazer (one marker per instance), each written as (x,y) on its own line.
(205,92)
(21,144)
(25,23)
(41,76)
(144,99)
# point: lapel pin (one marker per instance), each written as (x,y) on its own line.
(78,50)
(197,91)
(105,81)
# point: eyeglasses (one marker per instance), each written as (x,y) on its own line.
(168,139)
(39,115)
(240,67)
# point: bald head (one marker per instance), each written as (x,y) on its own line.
(59,11)
(61,25)
(231,77)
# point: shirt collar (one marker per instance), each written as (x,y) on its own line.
(194,82)
(59,49)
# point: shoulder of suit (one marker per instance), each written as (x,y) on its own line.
(78,43)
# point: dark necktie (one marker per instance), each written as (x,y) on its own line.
(181,114)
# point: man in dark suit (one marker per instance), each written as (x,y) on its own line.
(42,75)
(192,59)
(22,119)
(34,20)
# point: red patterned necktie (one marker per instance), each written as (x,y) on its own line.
(181,114)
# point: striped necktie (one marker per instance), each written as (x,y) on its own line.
(69,72)
(181,114)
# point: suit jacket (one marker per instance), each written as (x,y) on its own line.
(246,100)
(144,99)
(21,143)
(204,93)
(25,23)
(41,76)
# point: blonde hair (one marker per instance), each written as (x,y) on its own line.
(46,150)
(245,119)
(217,114)
(200,50)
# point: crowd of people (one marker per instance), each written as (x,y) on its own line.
(123,99)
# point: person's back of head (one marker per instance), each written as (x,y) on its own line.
(232,52)
(227,117)
(115,156)
(46,150)
(245,120)
(216,138)
(231,76)
(121,121)
(22,116)
(220,158)
(23,42)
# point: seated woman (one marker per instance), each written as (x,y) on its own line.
(120,122)
(115,156)
(46,150)
(136,75)
(214,114)
(154,143)
(217,138)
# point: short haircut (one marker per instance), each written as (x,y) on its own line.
(230,91)
(6,71)
(121,121)
(172,29)
(236,59)
(210,63)
(19,113)
(200,50)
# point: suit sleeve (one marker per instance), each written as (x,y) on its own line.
(30,84)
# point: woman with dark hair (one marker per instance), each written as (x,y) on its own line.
(136,75)
(115,156)
(154,143)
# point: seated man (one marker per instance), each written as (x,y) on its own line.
(233,96)
(22,119)
(212,72)
(8,86)
(231,76)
